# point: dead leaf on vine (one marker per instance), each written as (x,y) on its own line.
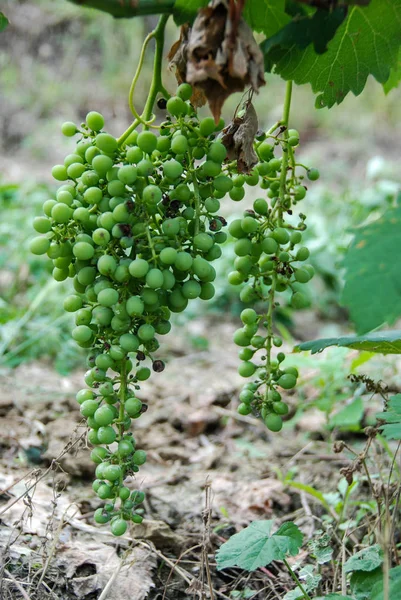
(222,55)
(238,138)
(178,61)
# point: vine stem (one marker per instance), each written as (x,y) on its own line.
(122,396)
(283,178)
(295,578)
(156,85)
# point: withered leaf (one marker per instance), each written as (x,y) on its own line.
(178,61)
(238,138)
(222,55)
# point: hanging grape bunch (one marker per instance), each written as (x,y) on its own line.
(136,229)
(270,258)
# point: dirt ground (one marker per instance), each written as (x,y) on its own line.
(209,473)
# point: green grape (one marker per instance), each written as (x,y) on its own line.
(101,164)
(246,396)
(281,235)
(152,194)
(244,409)
(59,172)
(235,278)
(104,415)
(106,435)
(249,224)
(243,247)
(133,406)
(108,297)
(241,338)
(39,245)
(139,458)
(273,422)
(129,342)
(176,106)
(217,152)
(82,333)
(89,407)
(143,374)
(172,169)
(249,316)
(72,303)
(207,126)
(118,527)
(146,332)
(147,141)
(154,278)
(94,121)
(183,261)
(179,144)
(61,213)
(313,174)
(287,381)
(302,254)
(211,168)
(134,306)
(106,143)
(280,408)
(184,91)
(138,268)
(69,129)
(203,242)
(246,369)
(237,193)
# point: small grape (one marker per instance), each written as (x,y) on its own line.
(176,106)
(94,121)
(69,129)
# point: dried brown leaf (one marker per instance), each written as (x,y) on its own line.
(178,61)
(238,138)
(222,55)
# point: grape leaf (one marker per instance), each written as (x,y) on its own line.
(266,16)
(367,43)
(361,582)
(377,592)
(367,559)
(392,416)
(317,29)
(255,546)
(372,289)
(395,76)
(184,11)
(385,342)
(349,416)
(3,21)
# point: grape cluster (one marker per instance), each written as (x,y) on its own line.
(270,259)
(135,225)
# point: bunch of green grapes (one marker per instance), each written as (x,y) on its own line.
(135,225)
(270,258)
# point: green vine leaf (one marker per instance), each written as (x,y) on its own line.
(385,342)
(184,11)
(372,290)
(394,592)
(317,29)
(266,16)
(395,76)
(391,430)
(367,43)
(255,546)
(361,582)
(3,21)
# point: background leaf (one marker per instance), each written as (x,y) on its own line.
(395,586)
(3,21)
(367,43)
(255,547)
(384,342)
(367,559)
(392,415)
(372,289)
(361,582)
(395,76)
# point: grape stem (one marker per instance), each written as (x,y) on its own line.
(156,85)
(296,580)
(122,396)
(283,179)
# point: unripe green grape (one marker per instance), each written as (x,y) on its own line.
(125,448)
(313,174)
(65,198)
(39,245)
(72,303)
(265,150)
(59,172)
(241,338)
(101,236)
(207,291)
(82,333)
(184,91)
(203,242)
(118,527)
(154,278)
(127,174)
(129,342)
(168,255)
(47,207)
(179,144)
(302,254)
(101,164)
(284,257)
(253,177)
(249,224)
(139,458)
(207,126)
(246,353)
(61,213)
(217,152)
(146,332)
(134,306)
(299,192)
(269,245)
(95,121)
(172,169)
(246,369)
(203,270)
(299,300)
(243,247)
(249,316)
(104,415)
(138,267)
(83,395)
(235,278)
(258,341)
(302,275)
(281,235)
(244,409)
(246,396)
(108,297)
(176,106)
(149,297)
(69,129)
(235,229)
(211,168)
(75,170)
(243,264)
(171,227)
(60,274)
(152,195)
(191,289)
(70,159)
(106,265)
(287,381)
(143,374)
(113,472)
(106,143)
(83,250)
(237,193)
(260,206)
(280,408)
(212,205)
(133,406)
(89,407)
(293,140)
(273,422)
(223,184)
(147,141)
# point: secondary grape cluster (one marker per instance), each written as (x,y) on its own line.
(135,225)
(270,259)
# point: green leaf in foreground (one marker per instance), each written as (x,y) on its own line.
(384,342)
(266,16)
(367,43)
(372,289)
(361,582)
(395,76)
(377,592)
(3,21)
(391,430)
(255,546)
(367,559)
